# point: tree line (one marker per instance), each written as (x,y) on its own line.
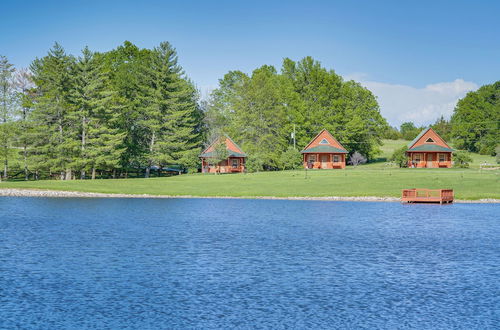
(273,114)
(130,110)
(124,110)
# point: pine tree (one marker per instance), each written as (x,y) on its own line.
(96,116)
(56,137)
(170,115)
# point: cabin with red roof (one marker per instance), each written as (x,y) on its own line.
(324,152)
(235,162)
(428,149)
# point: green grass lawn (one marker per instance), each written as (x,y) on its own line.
(375,179)
(361,181)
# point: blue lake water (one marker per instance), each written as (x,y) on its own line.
(214,263)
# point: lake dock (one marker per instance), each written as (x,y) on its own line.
(427,196)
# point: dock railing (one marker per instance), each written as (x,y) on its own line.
(427,195)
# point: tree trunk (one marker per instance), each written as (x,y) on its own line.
(6,166)
(84,135)
(114,173)
(25,156)
(93,173)
(151,147)
(62,175)
(69,174)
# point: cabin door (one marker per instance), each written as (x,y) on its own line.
(429,160)
(324,161)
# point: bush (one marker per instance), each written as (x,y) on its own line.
(399,157)
(356,159)
(461,159)
(254,163)
(291,159)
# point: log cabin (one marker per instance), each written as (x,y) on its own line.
(324,152)
(428,149)
(234,163)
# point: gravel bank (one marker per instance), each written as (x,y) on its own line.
(54,193)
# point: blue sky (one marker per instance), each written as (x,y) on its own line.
(428,53)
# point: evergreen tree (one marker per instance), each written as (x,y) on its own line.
(170,114)
(55,143)
(96,116)
(125,65)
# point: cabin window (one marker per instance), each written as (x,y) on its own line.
(430,140)
(442,157)
(417,157)
(312,158)
(336,158)
(324,141)
(235,163)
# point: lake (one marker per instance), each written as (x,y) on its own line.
(229,263)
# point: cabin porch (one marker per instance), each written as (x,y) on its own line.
(324,160)
(429,159)
(230,165)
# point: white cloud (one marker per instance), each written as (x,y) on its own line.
(400,103)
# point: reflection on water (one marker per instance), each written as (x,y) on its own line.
(212,263)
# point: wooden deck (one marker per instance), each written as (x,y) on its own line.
(427,196)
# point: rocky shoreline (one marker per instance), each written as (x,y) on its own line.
(8,192)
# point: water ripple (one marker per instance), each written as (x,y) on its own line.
(201,263)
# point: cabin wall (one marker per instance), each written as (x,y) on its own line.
(230,165)
(329,164)
(429,159)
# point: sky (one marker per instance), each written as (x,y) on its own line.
(417,57)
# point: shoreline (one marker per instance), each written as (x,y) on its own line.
(10,192)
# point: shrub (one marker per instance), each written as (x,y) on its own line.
(254,163)
(356,159)
(291,159)
(461,159)
(399,157)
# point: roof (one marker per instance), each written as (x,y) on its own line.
(430,147)
(324,149)
(231,152)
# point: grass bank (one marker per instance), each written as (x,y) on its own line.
(469,184)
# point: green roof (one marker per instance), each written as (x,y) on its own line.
(328,149)
(430,147)
(229,154)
